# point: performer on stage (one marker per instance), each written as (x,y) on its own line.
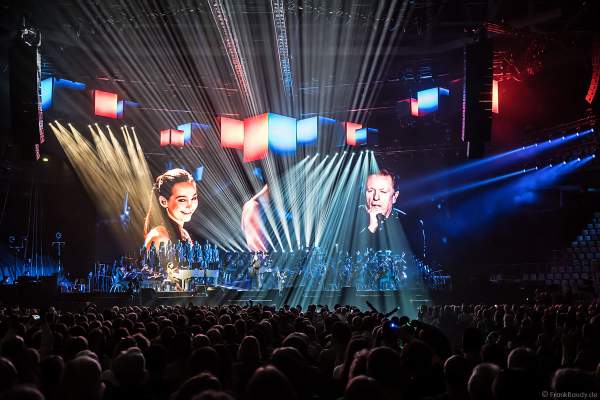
(176,193)
(281,277)
(172,271)
(384,228)
(386,220)
(255,278)
(380,196)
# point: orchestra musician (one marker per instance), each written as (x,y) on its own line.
(172,271)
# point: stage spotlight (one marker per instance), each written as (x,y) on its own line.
(45,159)
(578,158)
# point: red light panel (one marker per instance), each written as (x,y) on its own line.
(351,128)
(256,137)
(495,100)
(165,138)
(177,138)
(172,137)
(414,107)
(105,104)
(232,133)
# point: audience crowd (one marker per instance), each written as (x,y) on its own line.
(256,352)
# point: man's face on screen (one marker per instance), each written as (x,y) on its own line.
(380,194)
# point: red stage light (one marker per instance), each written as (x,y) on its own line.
(105,104)
(177,138)
(495,99)
(256,137)
(232,133)
(165,138)
(351,128)
(414,107)
(172,137)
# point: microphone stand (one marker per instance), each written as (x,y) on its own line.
(59,244)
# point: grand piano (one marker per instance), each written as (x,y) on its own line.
(185,275)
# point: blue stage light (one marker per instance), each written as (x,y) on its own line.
(187,132)
(65,83)
(47,88)
(307,130)
(428,100)
(282,134)
(198,172)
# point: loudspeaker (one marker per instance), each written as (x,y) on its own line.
(477,95)
(25,107)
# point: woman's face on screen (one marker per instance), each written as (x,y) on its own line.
(182,203)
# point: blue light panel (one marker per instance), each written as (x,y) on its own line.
(282,133)
(308,130)
(120,108)
(198,172)
(65,83)
(428,100)
(361,134)
(187,132)
(47,88)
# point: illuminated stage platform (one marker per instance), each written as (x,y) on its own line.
(407,300)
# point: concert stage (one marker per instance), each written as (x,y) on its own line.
(37,296)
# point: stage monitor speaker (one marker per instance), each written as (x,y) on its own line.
(477,95)
(25,107)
